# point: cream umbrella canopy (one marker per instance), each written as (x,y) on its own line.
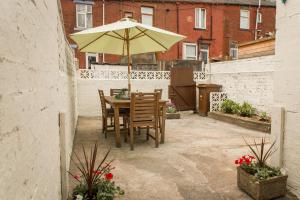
(125,37)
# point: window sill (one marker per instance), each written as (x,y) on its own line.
(79,29)
(84,2)
(244,29)
(200,29)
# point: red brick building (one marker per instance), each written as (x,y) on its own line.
(212,27)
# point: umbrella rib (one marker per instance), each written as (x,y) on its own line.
(94,40)
(141,34)
(153,39)
(123,38)
(114,36)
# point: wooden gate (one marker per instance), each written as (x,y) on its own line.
(182,88)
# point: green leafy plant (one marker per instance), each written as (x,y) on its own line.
(246,110)
(95,180)
(171,108)
(121,93)
(256,165)
(263,116)
(229,106)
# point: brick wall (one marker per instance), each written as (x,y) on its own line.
(223,24)
(37,82)
(248,80)
(287,87)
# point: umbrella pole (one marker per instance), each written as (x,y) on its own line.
(128,60)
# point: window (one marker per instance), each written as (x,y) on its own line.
(259,18)
(84,16)
(128,14)
(204,53)
(233,51)
(200,18)
(147,16)
(91,58)
(244,19)
(189,51)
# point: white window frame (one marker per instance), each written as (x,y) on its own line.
(204,50)
(184,56)
(147,14)
(85,16)
(248,17)
(87,55)
(128,14)
(198,18)
(259,18)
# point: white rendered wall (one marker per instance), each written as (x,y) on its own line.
(248,80)
(287,86)
(36,84)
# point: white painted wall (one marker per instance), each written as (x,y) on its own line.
(88,98)
(287,86)
(36,83)
(248,80)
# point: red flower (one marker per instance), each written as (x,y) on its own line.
(97,172)
(77,177)
(109,176)
(236,162)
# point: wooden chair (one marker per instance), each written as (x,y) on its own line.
(144,114)
(114,92)
(159,91)
(109,113)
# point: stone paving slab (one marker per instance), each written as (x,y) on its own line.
(195,163)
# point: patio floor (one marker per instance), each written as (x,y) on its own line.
(196,162)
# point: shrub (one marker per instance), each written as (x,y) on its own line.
(229,106)
(246,110)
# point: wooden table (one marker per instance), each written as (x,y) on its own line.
(121,103)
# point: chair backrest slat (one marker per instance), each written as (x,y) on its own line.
(144,108)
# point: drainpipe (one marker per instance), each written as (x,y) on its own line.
(103,22)
(177,26)
(256,21)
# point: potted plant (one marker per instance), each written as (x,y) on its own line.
(171,112)
(95,182)
(258,179)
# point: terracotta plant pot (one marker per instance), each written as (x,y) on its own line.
(261,190)
(173,115)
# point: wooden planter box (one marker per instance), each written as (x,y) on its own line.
(261,190)
(245,122)
(173,115)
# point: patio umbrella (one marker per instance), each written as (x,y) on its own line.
(125,37)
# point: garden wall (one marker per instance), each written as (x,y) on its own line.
(287,90)
(88,98)
(37,77)
(246,80)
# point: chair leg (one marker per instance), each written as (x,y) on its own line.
(131,138)
(125,128)
(147,132)
(159,123)
(105,132)
(156,137)
(103,128)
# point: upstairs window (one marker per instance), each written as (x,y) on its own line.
(84,16)
(244,19)
(147,15)
(189,51)
(200,18)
